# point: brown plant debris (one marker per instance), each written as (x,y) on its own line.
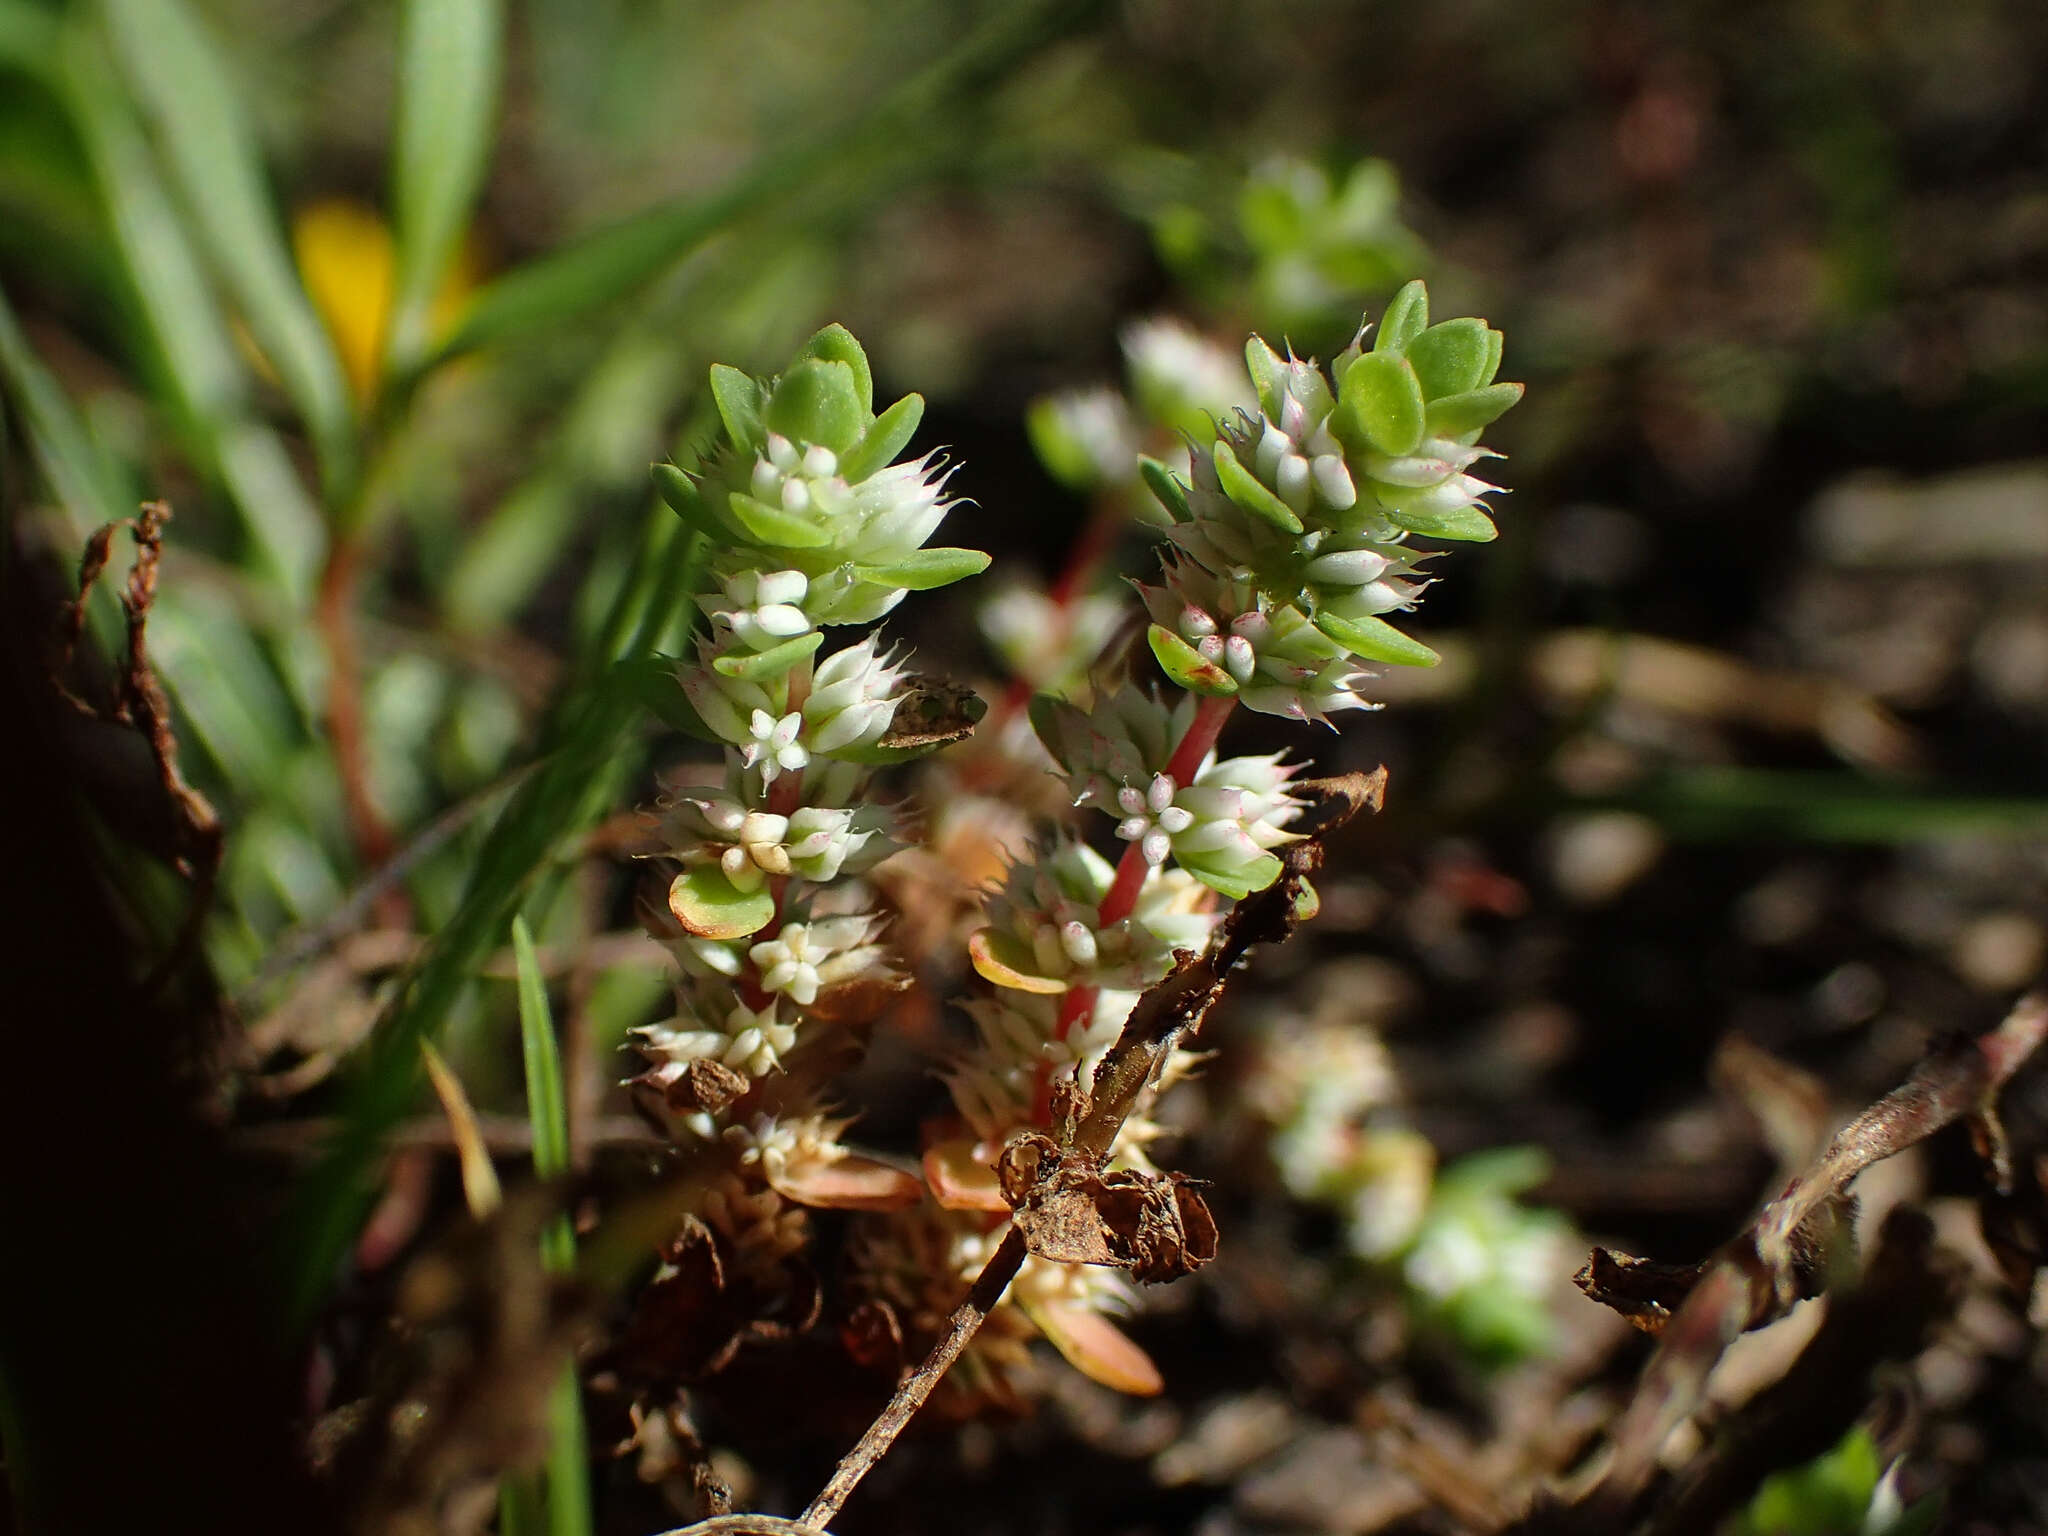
(1797,1246)
(193,837)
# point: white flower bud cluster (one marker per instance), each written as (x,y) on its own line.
(1282,664)
(748,1040)
(751,846)
(1046,915)
(805,958)
(1233,812)
(831,526)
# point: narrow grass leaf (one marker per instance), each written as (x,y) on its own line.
(614,262)
(193,103)
(479,1179)
(206,380)
(64,450)
(450,60)
(568,1467)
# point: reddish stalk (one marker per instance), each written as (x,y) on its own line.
(334,611)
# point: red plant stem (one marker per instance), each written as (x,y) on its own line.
(334,614)
(1122,897)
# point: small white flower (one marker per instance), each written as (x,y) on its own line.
(804,958)
(772,744)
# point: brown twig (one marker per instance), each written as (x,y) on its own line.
(1794,1243)
(142,703)
(1167,1015)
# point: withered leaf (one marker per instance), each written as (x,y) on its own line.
(932,712)
(1154,1226)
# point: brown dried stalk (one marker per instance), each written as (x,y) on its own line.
(1794,1244)
(1059,1187)
(141,702)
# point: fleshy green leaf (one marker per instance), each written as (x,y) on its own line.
(818,401)
(925,569)
(836,344)
(450,59)
(1468,525)
(1267,370)
(772,525)
(1236,884)
(1450,358)
(1161,482)
(1455,416)
(1372,639)
(711,907)
(1495,341)
(1243,488)
(1406,317)
(1187,666)
(738,398)
(889,435)
(1380,405)
(773,662)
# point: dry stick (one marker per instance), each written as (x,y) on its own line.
(1167,1014)
(143,704)
(1756,1278)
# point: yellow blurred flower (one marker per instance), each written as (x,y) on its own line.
(346,259)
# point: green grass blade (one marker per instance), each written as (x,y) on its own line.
(192,102)
(612,263)
(205,378)
(450,59)
(64,451)
(568,1467)
(545,1104)
(1748,804)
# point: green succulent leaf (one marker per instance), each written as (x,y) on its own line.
(709,906)
(772,525)
(1187,666)
(1266,369)
(1380,405)
(1495,341)
(1469,525)
(818,401)
(738,398)
(1450,357)
(1244,488)
(1160,481)
(1406,316)
(1456,416)
(773,662)
(1372,639)
(1236,884)
(926,569)
(678,490)
(836,344)
(888,436)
